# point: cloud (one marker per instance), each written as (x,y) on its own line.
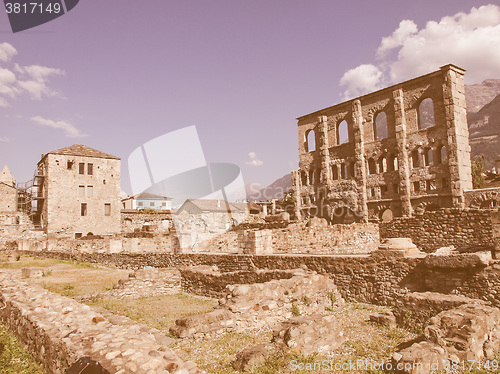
(15,80)
(469,40)
(4,139)
(254,161)
(361,80)
(70,130)
(7,51)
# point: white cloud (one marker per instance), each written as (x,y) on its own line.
(70,130)
(38,77)
(361,80)
(7,51)
(404,31)
(4,139)
(254,161)
(469,40)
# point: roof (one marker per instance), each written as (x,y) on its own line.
(6,177)
(214,205)
(82,150)
(150,196)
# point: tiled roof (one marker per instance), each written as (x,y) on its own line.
(150,196)
(216,205)
(82,150)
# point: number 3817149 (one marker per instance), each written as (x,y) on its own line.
(33,8)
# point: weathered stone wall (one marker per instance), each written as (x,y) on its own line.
(446,227)
(8,198)
(483,198)
(373,279)
(158,222)
(13,225)
(59,331)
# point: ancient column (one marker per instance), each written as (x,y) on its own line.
(297,186)
(323,150)
(403,164)
(359,151)
(458,148)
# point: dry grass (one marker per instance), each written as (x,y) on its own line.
(159,312)
(69,278)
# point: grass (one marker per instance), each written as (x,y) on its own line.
(159,312)
(14,359)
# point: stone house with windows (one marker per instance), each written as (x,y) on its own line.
(77,192)
(146,200)
(389,153)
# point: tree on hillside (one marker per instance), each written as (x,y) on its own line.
(477,170)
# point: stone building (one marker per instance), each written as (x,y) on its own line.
(388,153)
(77,190)
(8,191)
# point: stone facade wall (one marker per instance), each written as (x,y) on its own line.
(59,331)
(13,224)
(61,195)
(443,228)
(8,198)
(373,279)
(485,198)
(407,146)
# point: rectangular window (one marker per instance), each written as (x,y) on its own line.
(70,165)
(107,209)
(163,204)
(81,191)
(139,203)
(416,186)
(78,235)
(90,191)
(90,169)
(81,168)
(151,204)
(83,209)
(430,185)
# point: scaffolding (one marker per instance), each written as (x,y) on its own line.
(31,198)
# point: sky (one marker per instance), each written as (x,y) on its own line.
(116,74)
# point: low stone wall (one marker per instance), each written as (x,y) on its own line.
(443,228)
(159,222)
(59,331)
(380,280)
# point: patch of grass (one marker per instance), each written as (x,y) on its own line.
(13,358)
(159,312)
(306,300)
(295,310)
(284,361)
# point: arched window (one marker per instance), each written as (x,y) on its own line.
(415,160)
(342,133)
(380,126)
(303,176)
(352,170)
(311,176)
(335,172)
(343,171)
(426,114)
(392,163)
(382,164)
(310,141)
(428,157)
(440,154)
(372,169)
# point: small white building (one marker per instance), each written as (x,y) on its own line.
(146,200)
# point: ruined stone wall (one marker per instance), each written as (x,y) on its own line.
(155,223)
(443,228)
(363,278)
(485,198)
(8,198)
(59,331)
(395,150)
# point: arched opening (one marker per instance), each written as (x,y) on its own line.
(380,126)
(372,169)
(303,176)
(310,141)
(441,154)
(489,204)
(386,215)
(352,170)
(426,114)
(343,171)
(342,132)
(382,164)
(415,159)
(311,176)
(392,163)
(428,157)
(335,172)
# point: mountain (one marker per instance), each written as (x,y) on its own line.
(484,132)
(276,190)
(478,95)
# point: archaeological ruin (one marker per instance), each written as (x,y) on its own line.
(384,214)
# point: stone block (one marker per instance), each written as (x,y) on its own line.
(458,261)
(32,272)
